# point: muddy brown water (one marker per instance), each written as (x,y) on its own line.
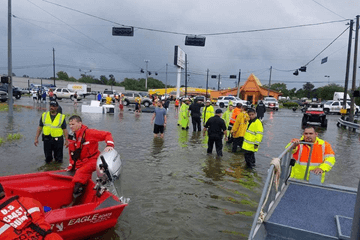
(177,191)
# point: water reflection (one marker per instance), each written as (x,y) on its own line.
(213,168)
(158,145)
(183,137)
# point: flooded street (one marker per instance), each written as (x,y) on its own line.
(177,191)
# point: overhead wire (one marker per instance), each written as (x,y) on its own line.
(203,34)
(328,9)
(110,51)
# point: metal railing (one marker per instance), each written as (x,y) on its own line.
(270,194)
(348,124)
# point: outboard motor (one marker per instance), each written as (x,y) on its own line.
(108,170)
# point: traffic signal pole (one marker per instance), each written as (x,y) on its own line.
(10,92)
(351,114)
(348,63)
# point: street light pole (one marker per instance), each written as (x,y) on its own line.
(166,80)
(269,81)
(146,74)
(328,78)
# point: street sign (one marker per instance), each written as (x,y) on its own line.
(123,31)
(195,41)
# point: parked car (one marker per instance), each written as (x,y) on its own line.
(3,96)
(16,92)
(271,102)
(130,99)
(60,93)
(25,90)
(223,101)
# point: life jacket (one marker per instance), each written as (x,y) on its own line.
(13,214)
(52,128)
(235,112)
(208,112)
(177,102)
(240,125)
(76,145)
(253,135)
(322,157)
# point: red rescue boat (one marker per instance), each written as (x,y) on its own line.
(98,210)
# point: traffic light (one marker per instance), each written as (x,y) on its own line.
(296,72)
(123,31)
(302,69)
(213,76)
(195,41)
(232,76)
(4,80)
(356,93)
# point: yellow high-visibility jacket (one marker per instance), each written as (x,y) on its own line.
(52,128)
(226,116)
(207,112)
(184,115)
(253,135)
(322,157)
(240,124)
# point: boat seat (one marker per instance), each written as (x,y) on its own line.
(344,225)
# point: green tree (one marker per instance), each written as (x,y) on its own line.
(308,87)
(112,80)
(327,92)
(103,80)
(63,75)
(86,79)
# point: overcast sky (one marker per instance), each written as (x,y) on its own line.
(85,42)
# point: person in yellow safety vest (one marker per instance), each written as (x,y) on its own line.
(322,157)
(184,114)
(138,104)
(53,126)
(208,112)
(252,138)
(239,128)
(227,115)
(108,99)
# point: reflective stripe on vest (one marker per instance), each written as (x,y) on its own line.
(52,128)
(4,228)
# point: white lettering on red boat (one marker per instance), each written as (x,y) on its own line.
(90,218)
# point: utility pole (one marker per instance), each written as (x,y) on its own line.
(207,83)
(186,75)
(146,79)
(10,92)
(348,63)
(269,81)
(238,91)
(54,65)
(351,114)
(166,80)
(219,83)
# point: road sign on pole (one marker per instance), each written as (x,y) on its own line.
(123,31)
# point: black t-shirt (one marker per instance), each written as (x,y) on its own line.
(195,109)
(216,126)
(63,125)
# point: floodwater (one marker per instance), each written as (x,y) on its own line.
(177,191)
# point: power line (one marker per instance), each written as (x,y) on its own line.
(204,34)
(328,9)
(327,46)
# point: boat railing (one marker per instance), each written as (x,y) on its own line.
(272,191)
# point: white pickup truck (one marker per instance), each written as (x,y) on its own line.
(335,106)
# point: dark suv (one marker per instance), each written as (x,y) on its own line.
(16,91)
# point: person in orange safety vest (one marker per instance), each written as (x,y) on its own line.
(84,151)
(322,158)
(23,218)
(235,112)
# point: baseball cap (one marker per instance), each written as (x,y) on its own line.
(54,103)
(208,101)
(218,111)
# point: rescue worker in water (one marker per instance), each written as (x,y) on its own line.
(84,151)
(322,157)
(23,218)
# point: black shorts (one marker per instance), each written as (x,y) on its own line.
(158,128)
(137,106)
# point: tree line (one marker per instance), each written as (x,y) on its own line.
(127,83)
